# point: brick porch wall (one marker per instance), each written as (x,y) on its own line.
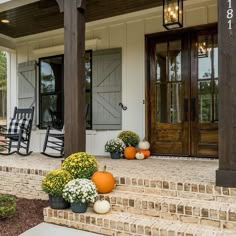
(23,183)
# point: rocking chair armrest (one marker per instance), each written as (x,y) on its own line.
(24,129)
(3,128)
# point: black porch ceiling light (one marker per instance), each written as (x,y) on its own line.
(172,14)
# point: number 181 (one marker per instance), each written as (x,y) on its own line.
(230,14)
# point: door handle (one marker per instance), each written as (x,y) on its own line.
(193,109)
(186,109)
(122,106)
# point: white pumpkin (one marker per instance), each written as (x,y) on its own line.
(101,206)
(145,145)
(139,156)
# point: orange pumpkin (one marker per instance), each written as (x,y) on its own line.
(104,181)
(145,152)
(129,153)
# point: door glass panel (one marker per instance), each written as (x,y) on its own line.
(216,56)
(175,61)
(204,101)
(207,78)
(176,103)
(204,57)
(161,58)
(169,94)
(216,101)
(216,78)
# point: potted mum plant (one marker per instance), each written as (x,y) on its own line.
(80,192)
(130,138)
(53,184)
(115,146)
(80,165)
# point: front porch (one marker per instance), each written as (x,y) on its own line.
(157,196)
(176,169)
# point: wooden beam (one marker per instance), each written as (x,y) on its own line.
(226,175)
(61,5)
(74,75)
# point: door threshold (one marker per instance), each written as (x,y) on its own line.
(174,157)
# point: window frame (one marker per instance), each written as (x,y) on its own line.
(41,95)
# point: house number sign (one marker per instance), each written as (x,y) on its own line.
(230,14)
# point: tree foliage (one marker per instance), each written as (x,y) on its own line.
(3,70)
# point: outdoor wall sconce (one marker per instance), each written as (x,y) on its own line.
(172,14)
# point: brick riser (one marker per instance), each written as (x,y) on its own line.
(177,189)
(188,211)
(125,224)
(162,208)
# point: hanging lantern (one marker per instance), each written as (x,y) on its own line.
(172,14)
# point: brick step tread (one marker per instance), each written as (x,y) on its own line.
(125,197)
(175,185)
(223,197)
(122,223)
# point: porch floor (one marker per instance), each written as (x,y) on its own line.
(162,168)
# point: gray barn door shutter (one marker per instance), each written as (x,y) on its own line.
(27,85)
(106,89)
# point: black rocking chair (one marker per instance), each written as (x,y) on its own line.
(17,135)
(54,138)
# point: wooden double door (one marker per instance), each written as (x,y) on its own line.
(183,93)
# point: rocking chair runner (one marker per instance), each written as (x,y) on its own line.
(17,135)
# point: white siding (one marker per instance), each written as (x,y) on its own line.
(127,32)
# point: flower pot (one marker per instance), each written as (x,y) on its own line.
(115,155)
(79,207)
(58,202)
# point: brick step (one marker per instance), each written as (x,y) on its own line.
(126,224)
(220,215)
(204,191)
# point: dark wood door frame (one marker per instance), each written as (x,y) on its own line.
(149,40)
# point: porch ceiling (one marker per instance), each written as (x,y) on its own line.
(44,15)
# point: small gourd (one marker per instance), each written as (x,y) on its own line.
(145,152)
(101,206)
(145,145)
(139,156)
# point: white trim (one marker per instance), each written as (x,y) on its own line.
(33,37)
(7,49)
(3,36)
(59,49)
(14,4)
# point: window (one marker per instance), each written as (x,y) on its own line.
(51,98)
(103,90)
(51,93)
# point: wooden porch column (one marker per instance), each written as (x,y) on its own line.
(226,175)
(74,75)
